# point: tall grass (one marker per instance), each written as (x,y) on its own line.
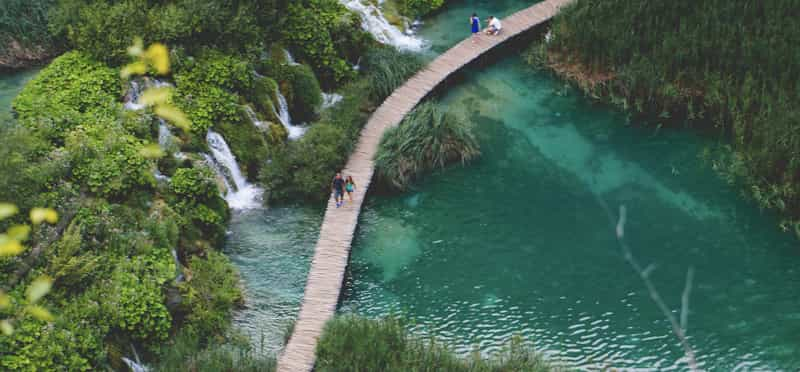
(733,66)
(187,353)
(428,138)
(355,344)
(386,69)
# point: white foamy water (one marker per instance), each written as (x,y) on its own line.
(289,58)
(241,194)
(330,99)
(373,21)
(253,117)
(282,112)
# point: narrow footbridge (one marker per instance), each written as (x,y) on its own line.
(332,251)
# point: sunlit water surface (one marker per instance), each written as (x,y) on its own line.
(520,243)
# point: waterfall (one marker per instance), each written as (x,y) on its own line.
(373,21)
(289,59)
(132,103)
(295,131)
(240,195)
(135,366)
(253,117)
(178,266)
(330,99)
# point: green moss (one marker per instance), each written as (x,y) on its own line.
(265,98)
(209,293)
(72,90)
(306,94)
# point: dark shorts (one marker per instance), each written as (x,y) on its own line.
(339,193)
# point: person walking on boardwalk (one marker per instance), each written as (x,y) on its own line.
(475,22)
(338,189)
(350,186)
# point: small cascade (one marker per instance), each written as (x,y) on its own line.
(240,195)
(282,112)
(330,99)
(178,266)
(374,22)
(135,365)
(137,86)
(289,58)
(132,97)
(253,117)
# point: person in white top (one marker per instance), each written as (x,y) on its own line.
(494,26)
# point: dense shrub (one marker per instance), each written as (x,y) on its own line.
(194,184)
(306,96)
(386,69)
(418,8)
(138,306)
(25,22)
(350,343)
(324,34)
(730,65)
(209,293)
(265,98)
(188,352)
(70,91)
(108,161)
(303,170)
(105,29)
(428,138)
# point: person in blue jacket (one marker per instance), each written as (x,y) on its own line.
(475,22)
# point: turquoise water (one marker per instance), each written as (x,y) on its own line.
(520,243)
(272,249)
(10,86)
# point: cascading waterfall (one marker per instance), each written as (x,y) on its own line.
(132,103)
(373,21)
(282,112)
(240,194)
(253,117)
(330,99)
(289,58)
(178,266)
(135,365)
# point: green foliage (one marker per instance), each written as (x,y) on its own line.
(265,97)
(306,97)
(386,69)
(188,353)
(730,65)
(428,138)
(303,169)
(324,34)
(248,144)
(139,306)
(351,343)
(194,184)
(419,8)
(29,169)
(25,21)
(70,91)
(209,293)
(108,161)
(105,29)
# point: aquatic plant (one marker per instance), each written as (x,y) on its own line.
(428,138)
(386,68)
(351,343)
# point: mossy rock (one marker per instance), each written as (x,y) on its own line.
(276,135)
(265,98)
(248,145)
(306,94)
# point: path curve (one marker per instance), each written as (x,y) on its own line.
(332,251)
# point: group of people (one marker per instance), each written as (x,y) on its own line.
(494,25)
(340,186)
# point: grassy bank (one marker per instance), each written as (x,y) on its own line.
(731,67)
(351,343)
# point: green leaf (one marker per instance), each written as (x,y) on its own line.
(39,288)
(38,215)
(10,247)
(40,313)
(19,232)
(6,327)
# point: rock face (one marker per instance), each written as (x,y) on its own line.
(14,55)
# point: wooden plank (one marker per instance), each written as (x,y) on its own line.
(324,281)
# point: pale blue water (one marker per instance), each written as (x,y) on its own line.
(10,86)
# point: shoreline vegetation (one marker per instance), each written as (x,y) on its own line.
(137,270)
(719,67)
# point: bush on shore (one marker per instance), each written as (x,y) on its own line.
(350,343)
(428,138)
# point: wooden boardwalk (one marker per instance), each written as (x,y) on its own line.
(332,251)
